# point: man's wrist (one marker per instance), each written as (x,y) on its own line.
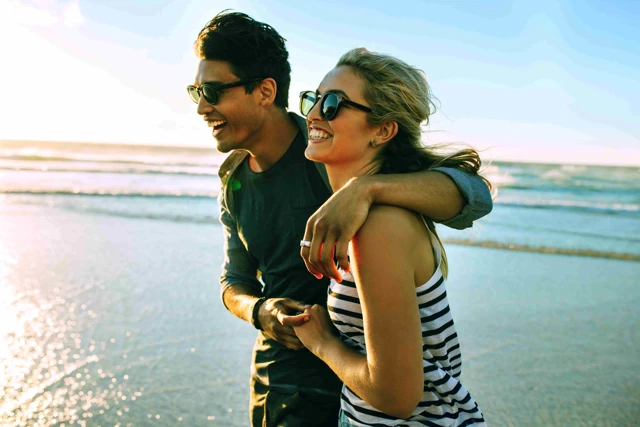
(368,187)
(255,319)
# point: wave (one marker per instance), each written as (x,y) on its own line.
(155,217)
(578,206)
(213,220)
(574,188)
(534,228)
(544,249)
(148,170)
(115,193)
(92,159)
(200,217)
(575,205)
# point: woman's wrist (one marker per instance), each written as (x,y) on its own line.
(325,347)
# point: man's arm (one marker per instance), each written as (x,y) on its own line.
(446,195)
(241,289)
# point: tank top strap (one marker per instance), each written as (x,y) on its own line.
(435,243)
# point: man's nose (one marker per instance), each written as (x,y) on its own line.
(203,106)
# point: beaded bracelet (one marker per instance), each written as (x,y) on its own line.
(255,321)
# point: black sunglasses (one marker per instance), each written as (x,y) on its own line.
(212,91)
(329,104)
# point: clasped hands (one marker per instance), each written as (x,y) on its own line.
(294,324)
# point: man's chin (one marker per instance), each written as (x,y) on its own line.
(223,147)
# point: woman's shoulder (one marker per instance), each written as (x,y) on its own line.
(390,224)
(394,238)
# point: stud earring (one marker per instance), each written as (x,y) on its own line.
(373,143)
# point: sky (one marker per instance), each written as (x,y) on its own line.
(541,81)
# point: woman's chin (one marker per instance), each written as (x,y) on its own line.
(314,153)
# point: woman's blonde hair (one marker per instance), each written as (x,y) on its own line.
(398,92)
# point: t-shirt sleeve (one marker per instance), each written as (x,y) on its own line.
(476,194)
(238,267)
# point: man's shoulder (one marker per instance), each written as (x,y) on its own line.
(301,122)
(232,161)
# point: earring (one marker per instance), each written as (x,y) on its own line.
(373,143)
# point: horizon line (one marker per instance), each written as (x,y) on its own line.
(212,147)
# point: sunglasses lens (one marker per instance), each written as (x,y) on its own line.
(307,101)
(210,94)
(193,93)
(329,106)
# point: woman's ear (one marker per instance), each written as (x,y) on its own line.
(386,132)
(267,90)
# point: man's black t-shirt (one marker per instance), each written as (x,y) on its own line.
(270,212)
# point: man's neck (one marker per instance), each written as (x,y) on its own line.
(276,137)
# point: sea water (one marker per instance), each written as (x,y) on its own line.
(544,207)
(110,310)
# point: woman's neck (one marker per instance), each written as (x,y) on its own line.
(340,174)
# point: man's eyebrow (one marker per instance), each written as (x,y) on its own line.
(210,82)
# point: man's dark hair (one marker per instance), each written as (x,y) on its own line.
(251,48)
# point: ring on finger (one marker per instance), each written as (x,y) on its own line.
(305,244)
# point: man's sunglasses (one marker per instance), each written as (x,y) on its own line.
(329,104)
(212,91)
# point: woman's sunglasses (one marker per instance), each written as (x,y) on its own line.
(329,104)
(212,91)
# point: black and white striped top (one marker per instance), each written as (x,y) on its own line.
(445,401)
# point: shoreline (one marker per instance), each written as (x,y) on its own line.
(543,249)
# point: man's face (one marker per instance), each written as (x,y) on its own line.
(234,117)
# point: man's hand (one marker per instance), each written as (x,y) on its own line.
(332,226)
(278,315)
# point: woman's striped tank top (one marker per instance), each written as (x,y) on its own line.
(445,401)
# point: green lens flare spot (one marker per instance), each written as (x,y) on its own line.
(235,185)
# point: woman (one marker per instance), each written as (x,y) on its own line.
(397,351)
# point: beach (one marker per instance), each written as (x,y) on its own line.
(112,321)
(110,311)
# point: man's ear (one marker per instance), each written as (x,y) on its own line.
(386,132)
(267,90)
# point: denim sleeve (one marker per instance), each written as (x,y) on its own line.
(476,193)
(238,267)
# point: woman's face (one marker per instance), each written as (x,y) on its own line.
(345,138)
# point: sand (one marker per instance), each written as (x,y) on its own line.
(546,339)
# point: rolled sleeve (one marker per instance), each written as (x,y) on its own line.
(237,267)
(476,194)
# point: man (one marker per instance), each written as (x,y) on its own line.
(269,191)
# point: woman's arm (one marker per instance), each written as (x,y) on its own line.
(390,377)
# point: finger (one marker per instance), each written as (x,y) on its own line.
(286,319)
(342,257)
(282,316)
(304,253)
(290,340)
(291,305)
(317,243)
(296,320)
(326,257)
(314,255)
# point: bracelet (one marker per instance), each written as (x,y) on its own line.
(255,321)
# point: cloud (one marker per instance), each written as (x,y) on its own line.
(72,14)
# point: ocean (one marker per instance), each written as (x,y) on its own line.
(110,310)
(586,210)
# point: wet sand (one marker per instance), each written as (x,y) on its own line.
(109,320)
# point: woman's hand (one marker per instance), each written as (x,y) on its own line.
(317,330)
